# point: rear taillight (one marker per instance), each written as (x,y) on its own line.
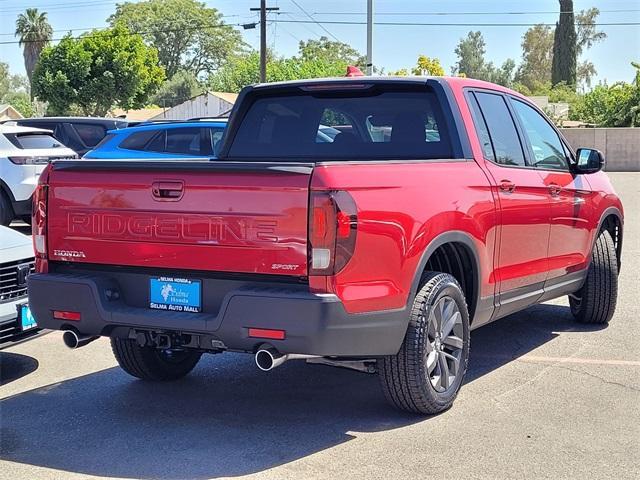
(333,225)
(39,221)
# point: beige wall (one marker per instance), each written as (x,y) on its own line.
(620,146)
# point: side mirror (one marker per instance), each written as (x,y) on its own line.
(588,160)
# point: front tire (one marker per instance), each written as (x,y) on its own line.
(427,373)
(595,302)
(148,363)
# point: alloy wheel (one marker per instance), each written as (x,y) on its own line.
(444,344)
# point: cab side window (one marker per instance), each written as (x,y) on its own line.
(502,131)
(546,147)
(481,128)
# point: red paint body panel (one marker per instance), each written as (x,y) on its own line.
(227,222)
(571,222)
(401,209)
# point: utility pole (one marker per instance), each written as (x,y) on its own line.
(369,37)
(263,37)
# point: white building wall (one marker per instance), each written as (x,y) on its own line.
(205,105)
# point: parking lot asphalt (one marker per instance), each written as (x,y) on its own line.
(544,398)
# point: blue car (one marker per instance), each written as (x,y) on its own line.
(163,140)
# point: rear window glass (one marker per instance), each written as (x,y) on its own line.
(90,134)
(33,141)
(185,141)
(371,124)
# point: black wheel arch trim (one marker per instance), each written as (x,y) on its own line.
(615,211)
(444,238)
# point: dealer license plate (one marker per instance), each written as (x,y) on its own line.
(175,294)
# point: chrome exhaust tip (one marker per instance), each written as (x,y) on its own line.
(269,358)
(75,340)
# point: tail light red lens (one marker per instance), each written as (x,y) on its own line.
(267,333)
(39,221)
(64,315)
(333,226)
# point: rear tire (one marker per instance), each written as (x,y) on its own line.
(153,364)
(6,210)
(596,301)
(426,374)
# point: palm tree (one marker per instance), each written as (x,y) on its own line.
(35,33)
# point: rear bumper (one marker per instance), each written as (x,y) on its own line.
(314,324)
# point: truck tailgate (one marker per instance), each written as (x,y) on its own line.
(213,216)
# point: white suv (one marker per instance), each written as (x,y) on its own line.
(24,152)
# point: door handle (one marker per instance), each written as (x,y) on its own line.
(507,186)
(167,190)
(555,189)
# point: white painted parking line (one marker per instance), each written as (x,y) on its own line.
(541,359)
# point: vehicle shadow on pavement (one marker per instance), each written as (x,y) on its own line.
(14,366)
(227,418)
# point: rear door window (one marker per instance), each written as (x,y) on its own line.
(481,128)
(502,130)
(368,124)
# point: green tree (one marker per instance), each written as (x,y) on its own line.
(5,79)
(14,91)
(96,72)
(187,34)
(183,86)
(471,61)
(537,57)
(503,75)
(330,51)
(587,35)
(244,70)
(617,105)
(34,33)
(21,102)
(428,66)
(564,65)
(403,72)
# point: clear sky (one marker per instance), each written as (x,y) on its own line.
(394,46)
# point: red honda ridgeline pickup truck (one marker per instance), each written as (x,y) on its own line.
(369,221)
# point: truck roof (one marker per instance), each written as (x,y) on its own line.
(458,82)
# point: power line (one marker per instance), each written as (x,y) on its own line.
(165,30)
(411,14)
(332,22)
(315,21)
(85,29)
(452,24)
(61,6)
